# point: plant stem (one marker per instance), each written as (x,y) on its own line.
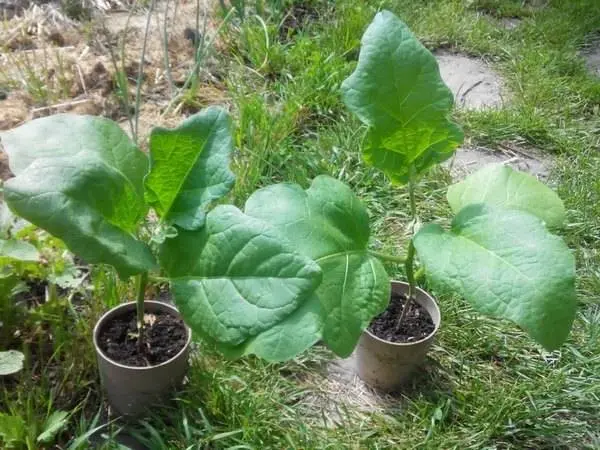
(142,281)
(409,267)
(388,258)
(410,275)
(411,196)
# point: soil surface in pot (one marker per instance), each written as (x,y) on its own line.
(416,325)
(165,336)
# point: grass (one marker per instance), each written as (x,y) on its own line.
(487,385)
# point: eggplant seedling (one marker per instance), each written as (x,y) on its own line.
(499,253)
(84,181)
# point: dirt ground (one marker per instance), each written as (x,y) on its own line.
(526,159)
(474,84)
(51,64)
(592,56)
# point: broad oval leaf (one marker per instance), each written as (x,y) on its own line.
(81,179)
(236,277)
(11,362)
(506,264)
(329,224)
(290,337)
(500,185)
(18,250)
(398,92)
(189,167)
(65,135)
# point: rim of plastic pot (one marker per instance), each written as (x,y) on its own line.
(426,338)
(146,368)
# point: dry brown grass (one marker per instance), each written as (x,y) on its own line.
(52,64)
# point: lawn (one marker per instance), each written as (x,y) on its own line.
(277,66)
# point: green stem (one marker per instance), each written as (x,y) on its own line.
(388,258)
(410,275)
(411,195)
(52,292)
(409,264)
(142,281)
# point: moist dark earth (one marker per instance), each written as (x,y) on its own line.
(417,324)
(163,340)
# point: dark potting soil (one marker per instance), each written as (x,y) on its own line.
(416,325)
(164,337)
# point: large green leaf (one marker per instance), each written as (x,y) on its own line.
(329,224)
(11,362)
(189,167)
(506,264)
(81,179)
(500,185)
(18,250)
(236,277)
(397,91)
(294,334)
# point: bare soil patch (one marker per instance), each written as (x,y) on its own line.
(470,159)
(50,64)
(592,56)
(341,391)
(474,84)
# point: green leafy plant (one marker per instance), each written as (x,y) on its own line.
(294,267)
(83,180)
(499,253)
(15,432)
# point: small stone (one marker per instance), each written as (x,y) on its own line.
(510,23)
(592,58)
(470,159)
